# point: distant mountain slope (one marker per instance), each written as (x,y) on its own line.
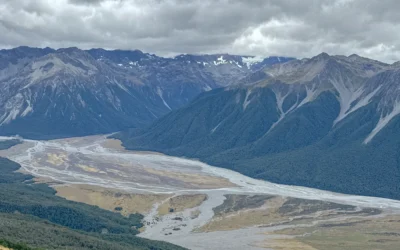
(50,93)
(328,122)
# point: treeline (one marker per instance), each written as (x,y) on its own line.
(37,201)
(14,246)
(9,143)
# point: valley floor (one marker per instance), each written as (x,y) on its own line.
(192,204)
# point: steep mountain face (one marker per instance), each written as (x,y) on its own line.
(50,93)
(12,61)
(178,80)
(328,122)
(70,93)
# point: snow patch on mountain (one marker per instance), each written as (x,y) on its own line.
(237,64)
(220,60)
(250,60)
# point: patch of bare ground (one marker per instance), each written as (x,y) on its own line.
(87,168)
(56,159)
(110,199)
(117,145)
(22,171)
(230,215)
(195,181)
(45,180)
(381,233)
(234,203)
(285,244)
(181,203)
(239,211)
(194,214)
(113,144)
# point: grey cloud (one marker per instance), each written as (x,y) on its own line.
(86,2)
(167,27)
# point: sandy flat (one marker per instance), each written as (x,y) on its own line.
(117,145)
(110,199)
(180,203)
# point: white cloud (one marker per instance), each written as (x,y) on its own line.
(167,27)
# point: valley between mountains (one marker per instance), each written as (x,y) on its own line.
(192,204)
(215,151)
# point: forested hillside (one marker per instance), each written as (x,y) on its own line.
(31,214)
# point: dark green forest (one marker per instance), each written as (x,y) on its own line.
(305,148)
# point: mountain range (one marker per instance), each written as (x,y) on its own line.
(49,93)
(327,122)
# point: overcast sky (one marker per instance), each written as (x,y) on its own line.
(301,28)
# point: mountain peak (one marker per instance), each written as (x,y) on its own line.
(299,71)
(302,71)
(322,55)
(69,50)
(72,52)
(396,64)
(354,56)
